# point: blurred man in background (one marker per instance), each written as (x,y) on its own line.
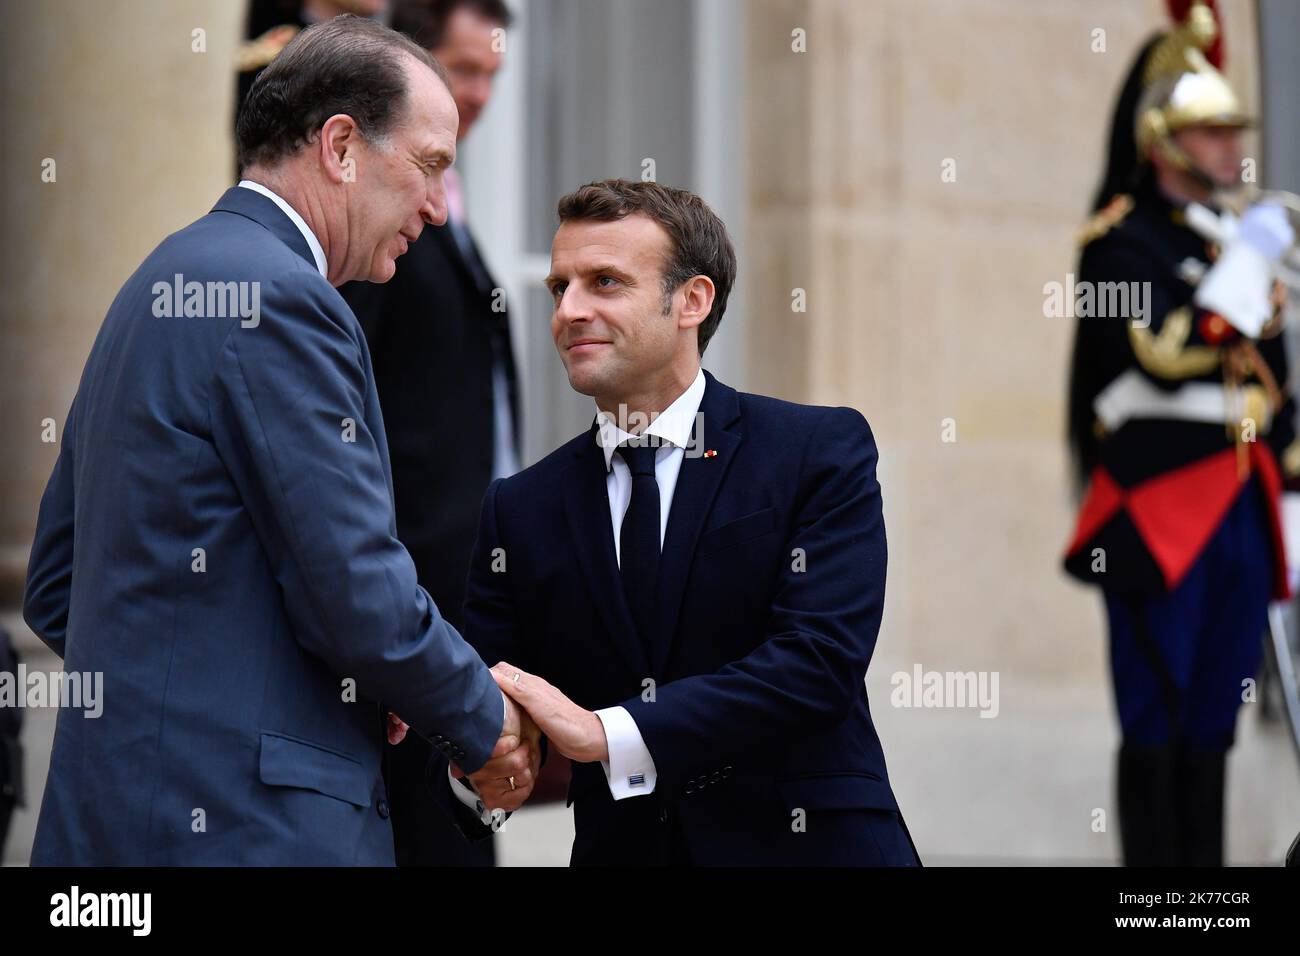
(439,337)
(1179,417)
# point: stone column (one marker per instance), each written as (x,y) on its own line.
(117,123)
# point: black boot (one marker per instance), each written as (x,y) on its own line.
(1200,806)
(1148,806)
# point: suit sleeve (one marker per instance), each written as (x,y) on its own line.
(492,629)
(291,428)
(48,592)
(491,625)
(825,613)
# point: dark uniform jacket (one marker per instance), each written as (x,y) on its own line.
(1160,483)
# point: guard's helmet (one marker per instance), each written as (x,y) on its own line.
(1182,87)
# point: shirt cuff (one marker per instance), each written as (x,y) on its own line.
(630,770)
(470,799)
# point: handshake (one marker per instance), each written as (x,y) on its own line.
(533,708)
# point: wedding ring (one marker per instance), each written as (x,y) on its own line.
(516,678)
(512,783)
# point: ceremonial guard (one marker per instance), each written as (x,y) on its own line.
(1181,427)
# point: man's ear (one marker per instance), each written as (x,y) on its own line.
(697,293)
(340,147)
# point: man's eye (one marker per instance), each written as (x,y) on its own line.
(557,290)
(609,279)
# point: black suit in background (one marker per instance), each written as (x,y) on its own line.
(11,754)
(433,338)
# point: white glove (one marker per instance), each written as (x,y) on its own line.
(1266,228)
(1239,285)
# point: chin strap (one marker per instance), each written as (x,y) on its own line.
(1178,156)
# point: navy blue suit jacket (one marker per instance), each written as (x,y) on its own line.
(229,733)
(772,581)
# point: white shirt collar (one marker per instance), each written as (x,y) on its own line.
(673,425)
(312,242)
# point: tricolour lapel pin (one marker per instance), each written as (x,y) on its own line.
(711,453)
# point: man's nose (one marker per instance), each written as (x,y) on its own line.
(572,307)
(434,209)
(480,91)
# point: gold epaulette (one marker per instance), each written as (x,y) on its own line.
(1105,219)
(255,54)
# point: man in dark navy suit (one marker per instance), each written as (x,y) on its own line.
(218,539)
(685,597)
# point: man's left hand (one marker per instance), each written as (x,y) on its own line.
(576,733)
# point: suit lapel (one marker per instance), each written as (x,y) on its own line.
(451,249)
(446,242)
(697,487)
(586,502)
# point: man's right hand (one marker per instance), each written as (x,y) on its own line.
(506,781)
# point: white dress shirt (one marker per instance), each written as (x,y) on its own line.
(313,243)
(630,769)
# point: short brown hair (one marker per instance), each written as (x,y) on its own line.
(425,21)
(699,241)
(350,65)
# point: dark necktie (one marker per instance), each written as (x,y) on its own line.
(639,540)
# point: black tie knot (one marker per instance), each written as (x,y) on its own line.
(639,456)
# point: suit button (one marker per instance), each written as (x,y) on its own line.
(663,815)
(382,808)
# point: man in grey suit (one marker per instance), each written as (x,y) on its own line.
(218,539)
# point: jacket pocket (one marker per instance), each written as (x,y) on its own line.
(288,762)
(837,791)
(738,531)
